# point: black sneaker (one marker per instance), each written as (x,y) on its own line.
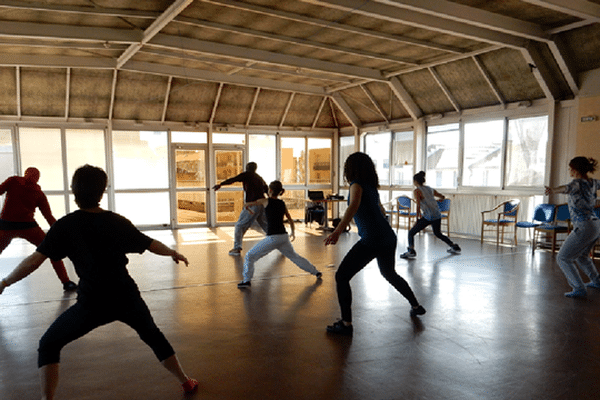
(244,284)
(319,275)
(417,311)
(455,249)
(411,253)
(340,328)
(69,286)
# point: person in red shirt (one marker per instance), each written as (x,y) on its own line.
(23,196)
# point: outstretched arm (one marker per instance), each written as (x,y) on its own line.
(438,195)
(291,221)
(260,202)
(25,267)
(558,189)
(161,249)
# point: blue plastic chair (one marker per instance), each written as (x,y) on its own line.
(444,206)
(543,213)
(403,209)
(560,224)
(506,217)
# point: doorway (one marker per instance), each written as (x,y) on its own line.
(229,200)
(191,185)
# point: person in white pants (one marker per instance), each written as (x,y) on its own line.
(277,236)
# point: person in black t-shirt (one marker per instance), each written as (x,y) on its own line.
(97,242)
(255,188)
(277,237)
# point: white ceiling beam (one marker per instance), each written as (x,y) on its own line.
(374,102)
(170,13)
(113,95)
(472,16)
(27,60)
(251,112)
(405,98)
(287,108)
(72,9)
(301,42)
(318,114)
(334,25)
(81,33)
(332,109)
(346,109)
(267,57)
(486,75)
(422,20)
(67,93)
(215,105)
(166,102)
(18,79)
(578,8)
(540,70)
(211,76)
(445,89)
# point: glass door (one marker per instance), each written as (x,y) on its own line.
(229,162)
(191,185)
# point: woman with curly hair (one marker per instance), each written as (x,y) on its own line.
(377,240)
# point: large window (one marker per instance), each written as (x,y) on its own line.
(319,161)
(140,160)
(442,155)
(482,159)
(7,165)
(377,146)
(262,150)
(41,148)
(84,146)
(293,160)
(526,151)
(346,148)
(402,158)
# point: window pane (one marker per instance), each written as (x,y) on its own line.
(191,207)
(41,148)
(229,164)
(7,165)
(262,150)
(403,158)
(442,155)
(319,161)
(84,147)
(73,206)
(295,203)
(293,164)
(229,138)
(346,148)
(57,206)
(190,168)
(377,146)
(229,205)
(189,137)
(526,151)
(140,160)
(483,153)
(144,208)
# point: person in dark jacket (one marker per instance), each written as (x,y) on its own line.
(255,188)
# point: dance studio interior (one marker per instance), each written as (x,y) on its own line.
(491,99)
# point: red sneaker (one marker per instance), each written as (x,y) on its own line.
(190,385)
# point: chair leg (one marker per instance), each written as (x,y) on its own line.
(515,228)
(553,243)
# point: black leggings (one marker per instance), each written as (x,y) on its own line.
(80,319)
(423,223)
(356,259)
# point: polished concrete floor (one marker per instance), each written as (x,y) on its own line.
(497,327)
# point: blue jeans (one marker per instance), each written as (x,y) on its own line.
(246,220)
(576,251)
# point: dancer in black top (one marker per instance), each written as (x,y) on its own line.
(277,237)
(97,242)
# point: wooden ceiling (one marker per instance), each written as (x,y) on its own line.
(295,64)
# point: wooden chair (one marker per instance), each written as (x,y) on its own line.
(560,224)
(444,206)
(507,217)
